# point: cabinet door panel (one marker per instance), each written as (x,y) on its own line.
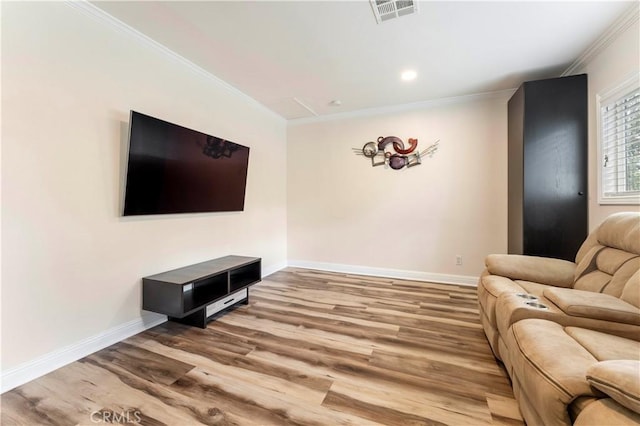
(555,167)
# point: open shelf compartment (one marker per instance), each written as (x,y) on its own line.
(244,276)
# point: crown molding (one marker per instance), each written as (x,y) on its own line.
(620,25)
(391,109)
(99,15)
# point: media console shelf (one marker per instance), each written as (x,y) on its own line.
(192,294)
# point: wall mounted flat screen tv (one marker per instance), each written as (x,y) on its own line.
(172,169)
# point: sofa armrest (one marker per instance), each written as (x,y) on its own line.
(543,270)
(620,379)
(588,304)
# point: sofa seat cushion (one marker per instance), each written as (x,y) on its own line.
(556,272)
(578,405)
(620,379)
(550,366)
(605,346)
(587,304)
(607,412)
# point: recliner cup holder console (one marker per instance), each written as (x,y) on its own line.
(527,296)
(537,305)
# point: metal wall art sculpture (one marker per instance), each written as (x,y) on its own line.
(391,151)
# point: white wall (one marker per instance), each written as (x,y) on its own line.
(71,265)
(608,69)
(343,211)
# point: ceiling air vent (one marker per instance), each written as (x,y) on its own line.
(390,9)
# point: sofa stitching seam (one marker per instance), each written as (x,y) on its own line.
(612,386)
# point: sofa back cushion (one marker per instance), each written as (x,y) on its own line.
(584,272)
(621,231)
(587,245)
(610,255)
(631,291)
(622,277)
(606,270)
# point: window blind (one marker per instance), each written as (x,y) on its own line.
(620,145)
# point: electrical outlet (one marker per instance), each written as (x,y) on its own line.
(458,260)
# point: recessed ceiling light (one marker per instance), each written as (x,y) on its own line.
(408,75)
(335,103)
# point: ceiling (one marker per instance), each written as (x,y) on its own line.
(295,57)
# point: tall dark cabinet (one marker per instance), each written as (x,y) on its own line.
(548,167)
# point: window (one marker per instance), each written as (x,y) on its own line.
(619,144)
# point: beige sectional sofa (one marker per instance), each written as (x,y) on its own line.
(569,333)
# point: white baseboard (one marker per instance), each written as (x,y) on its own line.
(38,367)
(273,268)
(388,273)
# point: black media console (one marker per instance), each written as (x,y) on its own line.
(192,294)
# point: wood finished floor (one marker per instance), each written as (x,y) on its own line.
(311,348)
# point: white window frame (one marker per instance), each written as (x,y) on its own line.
(629,85)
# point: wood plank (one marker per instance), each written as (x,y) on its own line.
(145,364)
(369,411)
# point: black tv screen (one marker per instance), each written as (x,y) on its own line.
(172,169)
